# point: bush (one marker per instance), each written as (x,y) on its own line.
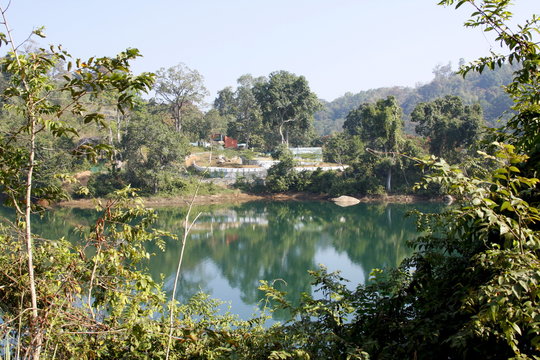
(281,177)
(103,184)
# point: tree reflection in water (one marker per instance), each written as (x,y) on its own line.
(240,245)
(232,247)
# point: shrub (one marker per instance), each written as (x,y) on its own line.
(103,184)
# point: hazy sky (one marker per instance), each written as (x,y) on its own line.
(338,45)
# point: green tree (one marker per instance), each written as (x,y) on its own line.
(281,176)
(32,94)
(193,124)
(154,154)
(225,102)
(199,125)
(343,148)
(178,87)
(243,109)
(449,124)
(298,137)
(380,126)
(286,102)
(248,120)
(214,123)
(486,89)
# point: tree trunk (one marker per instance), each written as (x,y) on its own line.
(281,125)
(35,331)
(389,180)
(111,137)
(118,126)
(281,133)
(177,116)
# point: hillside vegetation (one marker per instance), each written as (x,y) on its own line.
(484,88)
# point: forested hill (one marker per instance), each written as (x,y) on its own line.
(485,88)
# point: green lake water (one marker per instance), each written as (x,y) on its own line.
(232,247)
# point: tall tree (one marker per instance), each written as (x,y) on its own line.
(193,123)
(214,123)
(178,87)
(200,125)
(286,102)
(243,111)
(225,102)
(448,123)
(343,148)
(380,127)
(248,113)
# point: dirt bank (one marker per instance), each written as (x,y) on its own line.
(174,200)
(239,197)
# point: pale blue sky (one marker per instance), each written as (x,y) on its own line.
(338,45)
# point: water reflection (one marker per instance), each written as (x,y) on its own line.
(231,248)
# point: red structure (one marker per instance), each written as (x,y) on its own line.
(230,143)
(227,142)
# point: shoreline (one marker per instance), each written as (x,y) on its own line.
(240,197)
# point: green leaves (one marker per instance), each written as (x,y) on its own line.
(495,17)
(124,316)
(494,233)
(321,326)
(154,152)
(286,102)
(39,32)
(47,104)
(451,126)
(179,87)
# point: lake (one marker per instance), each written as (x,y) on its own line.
(232,247)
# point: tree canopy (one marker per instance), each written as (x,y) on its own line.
(179,87)
(243,111)
(448,123)
(286,102)
(380,127)
(378,124)
(152,152)
(485,89)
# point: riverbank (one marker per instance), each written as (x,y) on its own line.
(241,197)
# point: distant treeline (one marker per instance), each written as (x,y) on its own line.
(485,89)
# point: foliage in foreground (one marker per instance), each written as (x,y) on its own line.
(471,290)
(97,300)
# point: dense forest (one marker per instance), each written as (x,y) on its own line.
(469,291)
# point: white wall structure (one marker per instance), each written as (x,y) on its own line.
(256,172)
